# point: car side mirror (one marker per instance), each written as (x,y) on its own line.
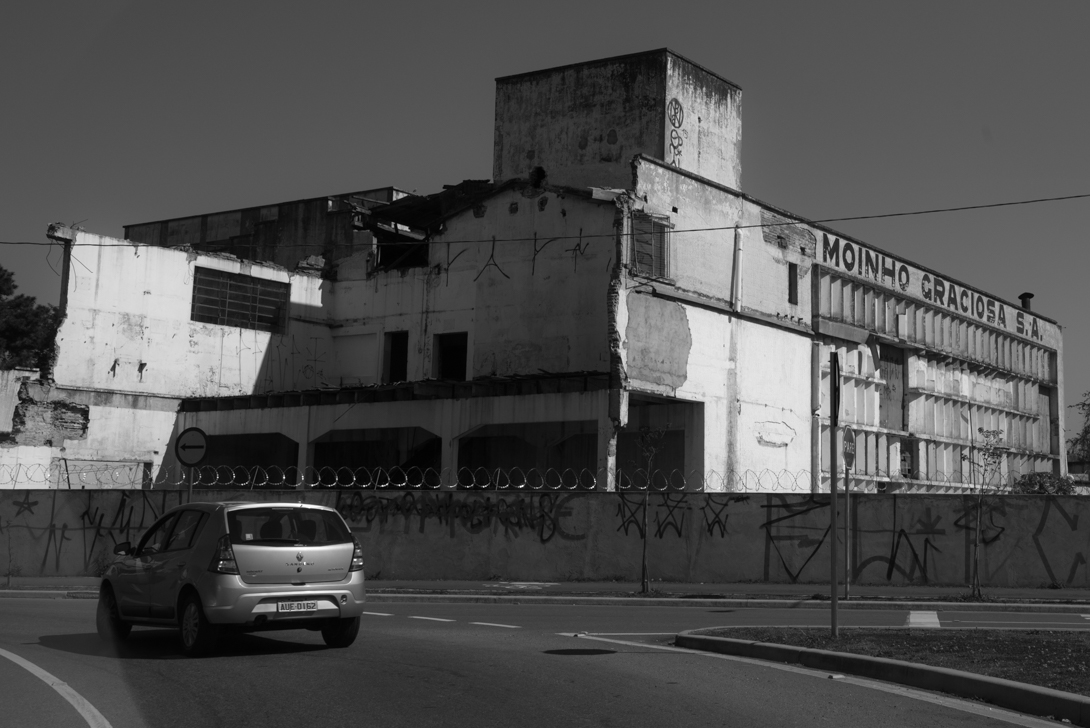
(123,548)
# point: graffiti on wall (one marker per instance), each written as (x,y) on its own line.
(543,515)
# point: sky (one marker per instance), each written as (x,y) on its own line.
(121,112)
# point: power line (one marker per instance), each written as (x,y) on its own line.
(800,221)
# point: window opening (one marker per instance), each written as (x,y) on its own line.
(450,354)
(395,357)
(231,299)
(793,283)
(650,245)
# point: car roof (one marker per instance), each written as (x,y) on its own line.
(240,505)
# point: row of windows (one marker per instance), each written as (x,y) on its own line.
(842,299)
(232,299)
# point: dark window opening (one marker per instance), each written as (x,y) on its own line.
(394,253)
(395,357)
(231,299)
(533,454)
(650,246)
(793,283)
(451,351)
(390,457)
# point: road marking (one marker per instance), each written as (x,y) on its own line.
(491,624)
(1085,616)
(377,614)
(923,620)
(630,633)
(85,709)
(433,619)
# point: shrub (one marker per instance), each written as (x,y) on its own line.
(1044,483)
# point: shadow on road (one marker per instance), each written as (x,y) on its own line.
(162,644)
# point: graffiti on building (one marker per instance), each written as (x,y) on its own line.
(715,512)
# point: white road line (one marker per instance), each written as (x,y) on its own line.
(923,620)
(492,624)
(629,633)
(433,619)
(377,614)
(1085,616)
(85,709)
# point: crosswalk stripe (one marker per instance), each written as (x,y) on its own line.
(923,620)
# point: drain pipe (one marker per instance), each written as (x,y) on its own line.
(735,272)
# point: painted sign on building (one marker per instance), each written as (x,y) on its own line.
(860,262)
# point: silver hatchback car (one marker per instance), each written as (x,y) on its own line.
(206,567)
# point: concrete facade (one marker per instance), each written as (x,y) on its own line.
(609,301)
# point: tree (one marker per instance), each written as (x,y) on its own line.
(1043,484)
(28,329)
(985,466)
(1079,450)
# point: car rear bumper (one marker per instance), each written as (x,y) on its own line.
(228,600)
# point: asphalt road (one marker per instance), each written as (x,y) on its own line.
(477,665)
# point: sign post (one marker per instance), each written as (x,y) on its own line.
(190,449)
(834,423)
(849,461)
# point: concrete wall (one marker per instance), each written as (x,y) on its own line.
(534,300)
(583,123)
(1028,540)
(127,327)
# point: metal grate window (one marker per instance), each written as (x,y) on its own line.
(230,299)
(650,245)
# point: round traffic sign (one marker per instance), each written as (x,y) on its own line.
(849,447)
(191,447)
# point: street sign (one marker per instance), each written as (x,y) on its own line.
(849,447)
(191,447)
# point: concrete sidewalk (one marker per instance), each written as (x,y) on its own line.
(815,595)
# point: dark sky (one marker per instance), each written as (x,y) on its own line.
(123,112)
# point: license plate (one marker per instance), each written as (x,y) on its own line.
(296,606)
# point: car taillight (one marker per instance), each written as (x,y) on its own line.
(357,556)
(223,561)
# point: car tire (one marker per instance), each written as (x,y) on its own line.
(198,635)
(111,628)
(341,632)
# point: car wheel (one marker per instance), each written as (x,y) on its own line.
(111,628)
(198,634)
(341,632)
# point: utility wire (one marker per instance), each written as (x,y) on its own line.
(800,221)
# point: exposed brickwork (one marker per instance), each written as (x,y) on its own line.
(44,417)
(796,237)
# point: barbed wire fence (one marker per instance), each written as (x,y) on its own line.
(62,475)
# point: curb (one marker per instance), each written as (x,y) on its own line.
(47,594)
(634,601)
(1021,697)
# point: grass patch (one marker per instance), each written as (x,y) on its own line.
(1048,658)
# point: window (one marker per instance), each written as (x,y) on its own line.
(155,539)
(189,524)
(450,356)
(650,245)
(230,299)
(793,283)
(395,357)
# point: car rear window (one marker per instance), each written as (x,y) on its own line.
(286,525)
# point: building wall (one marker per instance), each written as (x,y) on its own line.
(532,301)
(127,327)
(584,123)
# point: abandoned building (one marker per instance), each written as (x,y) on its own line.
(609,302)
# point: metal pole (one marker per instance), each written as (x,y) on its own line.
(847,533)
(190,484)
(834,465)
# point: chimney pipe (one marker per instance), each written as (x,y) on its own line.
(1024,298)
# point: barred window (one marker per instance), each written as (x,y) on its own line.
(230,299)
(650,245)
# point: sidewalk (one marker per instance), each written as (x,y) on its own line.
(674,593)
